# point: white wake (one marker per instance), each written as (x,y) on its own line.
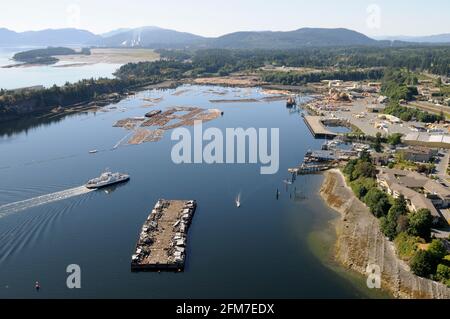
(42,200)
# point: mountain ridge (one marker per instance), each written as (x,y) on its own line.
(435,38)
(47,37)
(160,38)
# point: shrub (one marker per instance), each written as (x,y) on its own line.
(437,249)
(422,263)
(362,186)
(378,202)
(406,245)
(443,274)
(420,223)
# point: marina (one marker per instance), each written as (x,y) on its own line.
(162,242)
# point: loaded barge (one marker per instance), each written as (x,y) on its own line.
(162,242)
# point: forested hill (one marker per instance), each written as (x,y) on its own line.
(306,37)
(158,38)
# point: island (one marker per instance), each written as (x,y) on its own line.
(46,56)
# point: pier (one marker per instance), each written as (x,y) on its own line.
(317,128)
(162,242)
(305,169)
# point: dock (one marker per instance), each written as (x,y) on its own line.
(305,169)
(163,239)
(317,128)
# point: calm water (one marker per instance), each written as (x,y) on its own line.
(13,78)
(258,251)
(339,129)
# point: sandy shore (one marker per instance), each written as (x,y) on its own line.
(233,80)
(111,56)
(360,243)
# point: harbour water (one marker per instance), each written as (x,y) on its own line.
(260,250)
(19,77)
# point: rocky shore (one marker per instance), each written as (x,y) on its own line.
(360,243)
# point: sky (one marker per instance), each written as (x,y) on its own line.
(214,18)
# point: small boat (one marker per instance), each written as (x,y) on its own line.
(93,151)
(238,201)
(153,113)
(107,179)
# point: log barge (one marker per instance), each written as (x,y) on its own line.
(162,242)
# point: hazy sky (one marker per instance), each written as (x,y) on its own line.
(212,17)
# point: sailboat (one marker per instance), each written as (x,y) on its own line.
(238,201)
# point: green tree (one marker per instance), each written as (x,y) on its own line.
(422,263)
(395,139)
(437,249)
(388,227)
(378,202)
(362,185)
(363,169)
(389,223)
(350,167)
(406,245)
(420,223)
(377,144)
(365,156)
(443,273)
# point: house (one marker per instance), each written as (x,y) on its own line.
(418,190)
(420,154)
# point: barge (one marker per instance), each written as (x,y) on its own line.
(163,238)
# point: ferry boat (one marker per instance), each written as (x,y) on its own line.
(107,179)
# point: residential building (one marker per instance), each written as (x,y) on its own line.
(420,154)
(418,190)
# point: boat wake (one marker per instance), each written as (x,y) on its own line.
(16,207)
(238,201)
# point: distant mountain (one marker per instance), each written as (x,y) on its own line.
(306,37)
(151,37)
(438,38)
(49,37)
(155,37)
(115,32)
(7,36)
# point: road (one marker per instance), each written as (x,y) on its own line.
(441,168)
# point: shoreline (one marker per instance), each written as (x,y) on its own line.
(360,243)
(99,102)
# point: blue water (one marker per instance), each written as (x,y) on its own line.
(258,251)
(13,78)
